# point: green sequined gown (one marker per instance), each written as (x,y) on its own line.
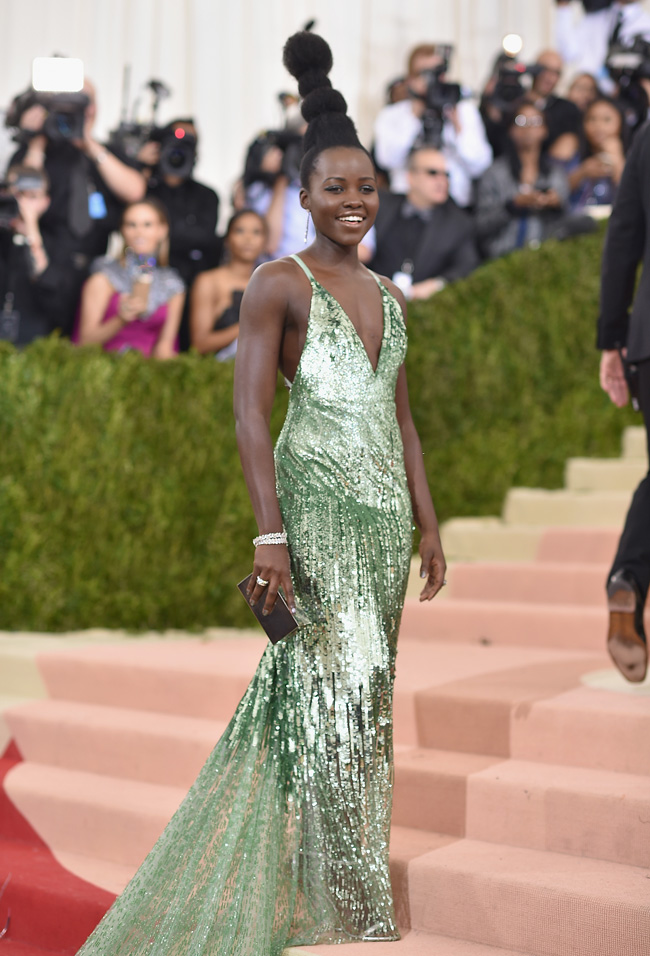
(283,838)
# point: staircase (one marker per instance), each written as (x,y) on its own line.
(522,778)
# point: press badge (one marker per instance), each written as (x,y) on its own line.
(97,206)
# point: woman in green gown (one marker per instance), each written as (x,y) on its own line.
(283,838)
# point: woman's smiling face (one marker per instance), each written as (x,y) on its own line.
(342,195)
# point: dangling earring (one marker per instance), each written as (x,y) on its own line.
(307,226)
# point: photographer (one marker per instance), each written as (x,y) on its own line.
(192,207)
(461,134)
(561,115)
(37,281)
(271,182)
(89,183)
(584,44)
(505,89)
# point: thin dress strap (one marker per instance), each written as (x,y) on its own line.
(305,268)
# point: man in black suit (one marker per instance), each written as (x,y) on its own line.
(621,332)
(423,238)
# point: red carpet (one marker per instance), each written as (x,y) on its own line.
(51,910)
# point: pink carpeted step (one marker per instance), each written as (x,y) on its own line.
(194,678)
(407,845)
(594,813)
(423,666)
(537,582)
(540,903)
(584,727)
(506,623)
(91,815)
(112,877)
(411,944)
(135,744)
(580,545)
(478,714)
(431,788)
(207,680)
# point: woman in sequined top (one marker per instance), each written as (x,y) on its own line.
(136,301)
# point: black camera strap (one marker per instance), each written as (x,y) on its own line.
(9,316)
(78,214)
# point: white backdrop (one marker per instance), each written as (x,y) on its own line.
(222,58)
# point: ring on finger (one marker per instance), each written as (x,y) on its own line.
(262,583)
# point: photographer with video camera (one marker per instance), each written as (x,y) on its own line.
(507,87)
(271,182)
(437,114)
(89,182)
(169,157)
(37,281)
(584,43)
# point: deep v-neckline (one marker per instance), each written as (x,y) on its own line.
(381,289)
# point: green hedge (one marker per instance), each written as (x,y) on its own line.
(122,502)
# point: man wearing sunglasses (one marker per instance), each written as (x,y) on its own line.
(423,240)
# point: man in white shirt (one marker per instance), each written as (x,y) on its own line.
(583,43)
(399,125)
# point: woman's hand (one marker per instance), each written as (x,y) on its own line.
(595,167)
(130,307)
(433,565)
(271,564)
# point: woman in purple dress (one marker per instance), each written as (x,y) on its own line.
(136,301)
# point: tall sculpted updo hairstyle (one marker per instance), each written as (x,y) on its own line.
(309,59)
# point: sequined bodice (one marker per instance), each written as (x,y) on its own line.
(342,412)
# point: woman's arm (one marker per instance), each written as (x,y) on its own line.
(261,328)
(165,347)
(202,315)
(433,565)
(95,297)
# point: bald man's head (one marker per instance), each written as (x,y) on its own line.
(549,77)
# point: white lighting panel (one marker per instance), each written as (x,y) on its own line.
(57,74)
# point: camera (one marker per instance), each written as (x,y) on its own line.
(65,114)
(439,97)
(286,140)
(510,85)
(628,65)
(594,6)
(130,137)
(177,152)
(24,181)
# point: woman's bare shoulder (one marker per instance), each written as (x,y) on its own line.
(394,290)
(276,277)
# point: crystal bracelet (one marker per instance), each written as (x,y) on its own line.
(274,537)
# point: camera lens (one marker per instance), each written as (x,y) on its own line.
(176,158)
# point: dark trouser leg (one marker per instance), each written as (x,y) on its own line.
(634,547)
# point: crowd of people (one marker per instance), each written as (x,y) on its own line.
(463,180)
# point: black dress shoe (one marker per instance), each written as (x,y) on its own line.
(626,640)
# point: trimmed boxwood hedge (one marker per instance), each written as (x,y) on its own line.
(122,502)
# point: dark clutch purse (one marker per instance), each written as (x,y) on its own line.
(279,623)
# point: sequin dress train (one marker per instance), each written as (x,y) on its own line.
(283,838)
